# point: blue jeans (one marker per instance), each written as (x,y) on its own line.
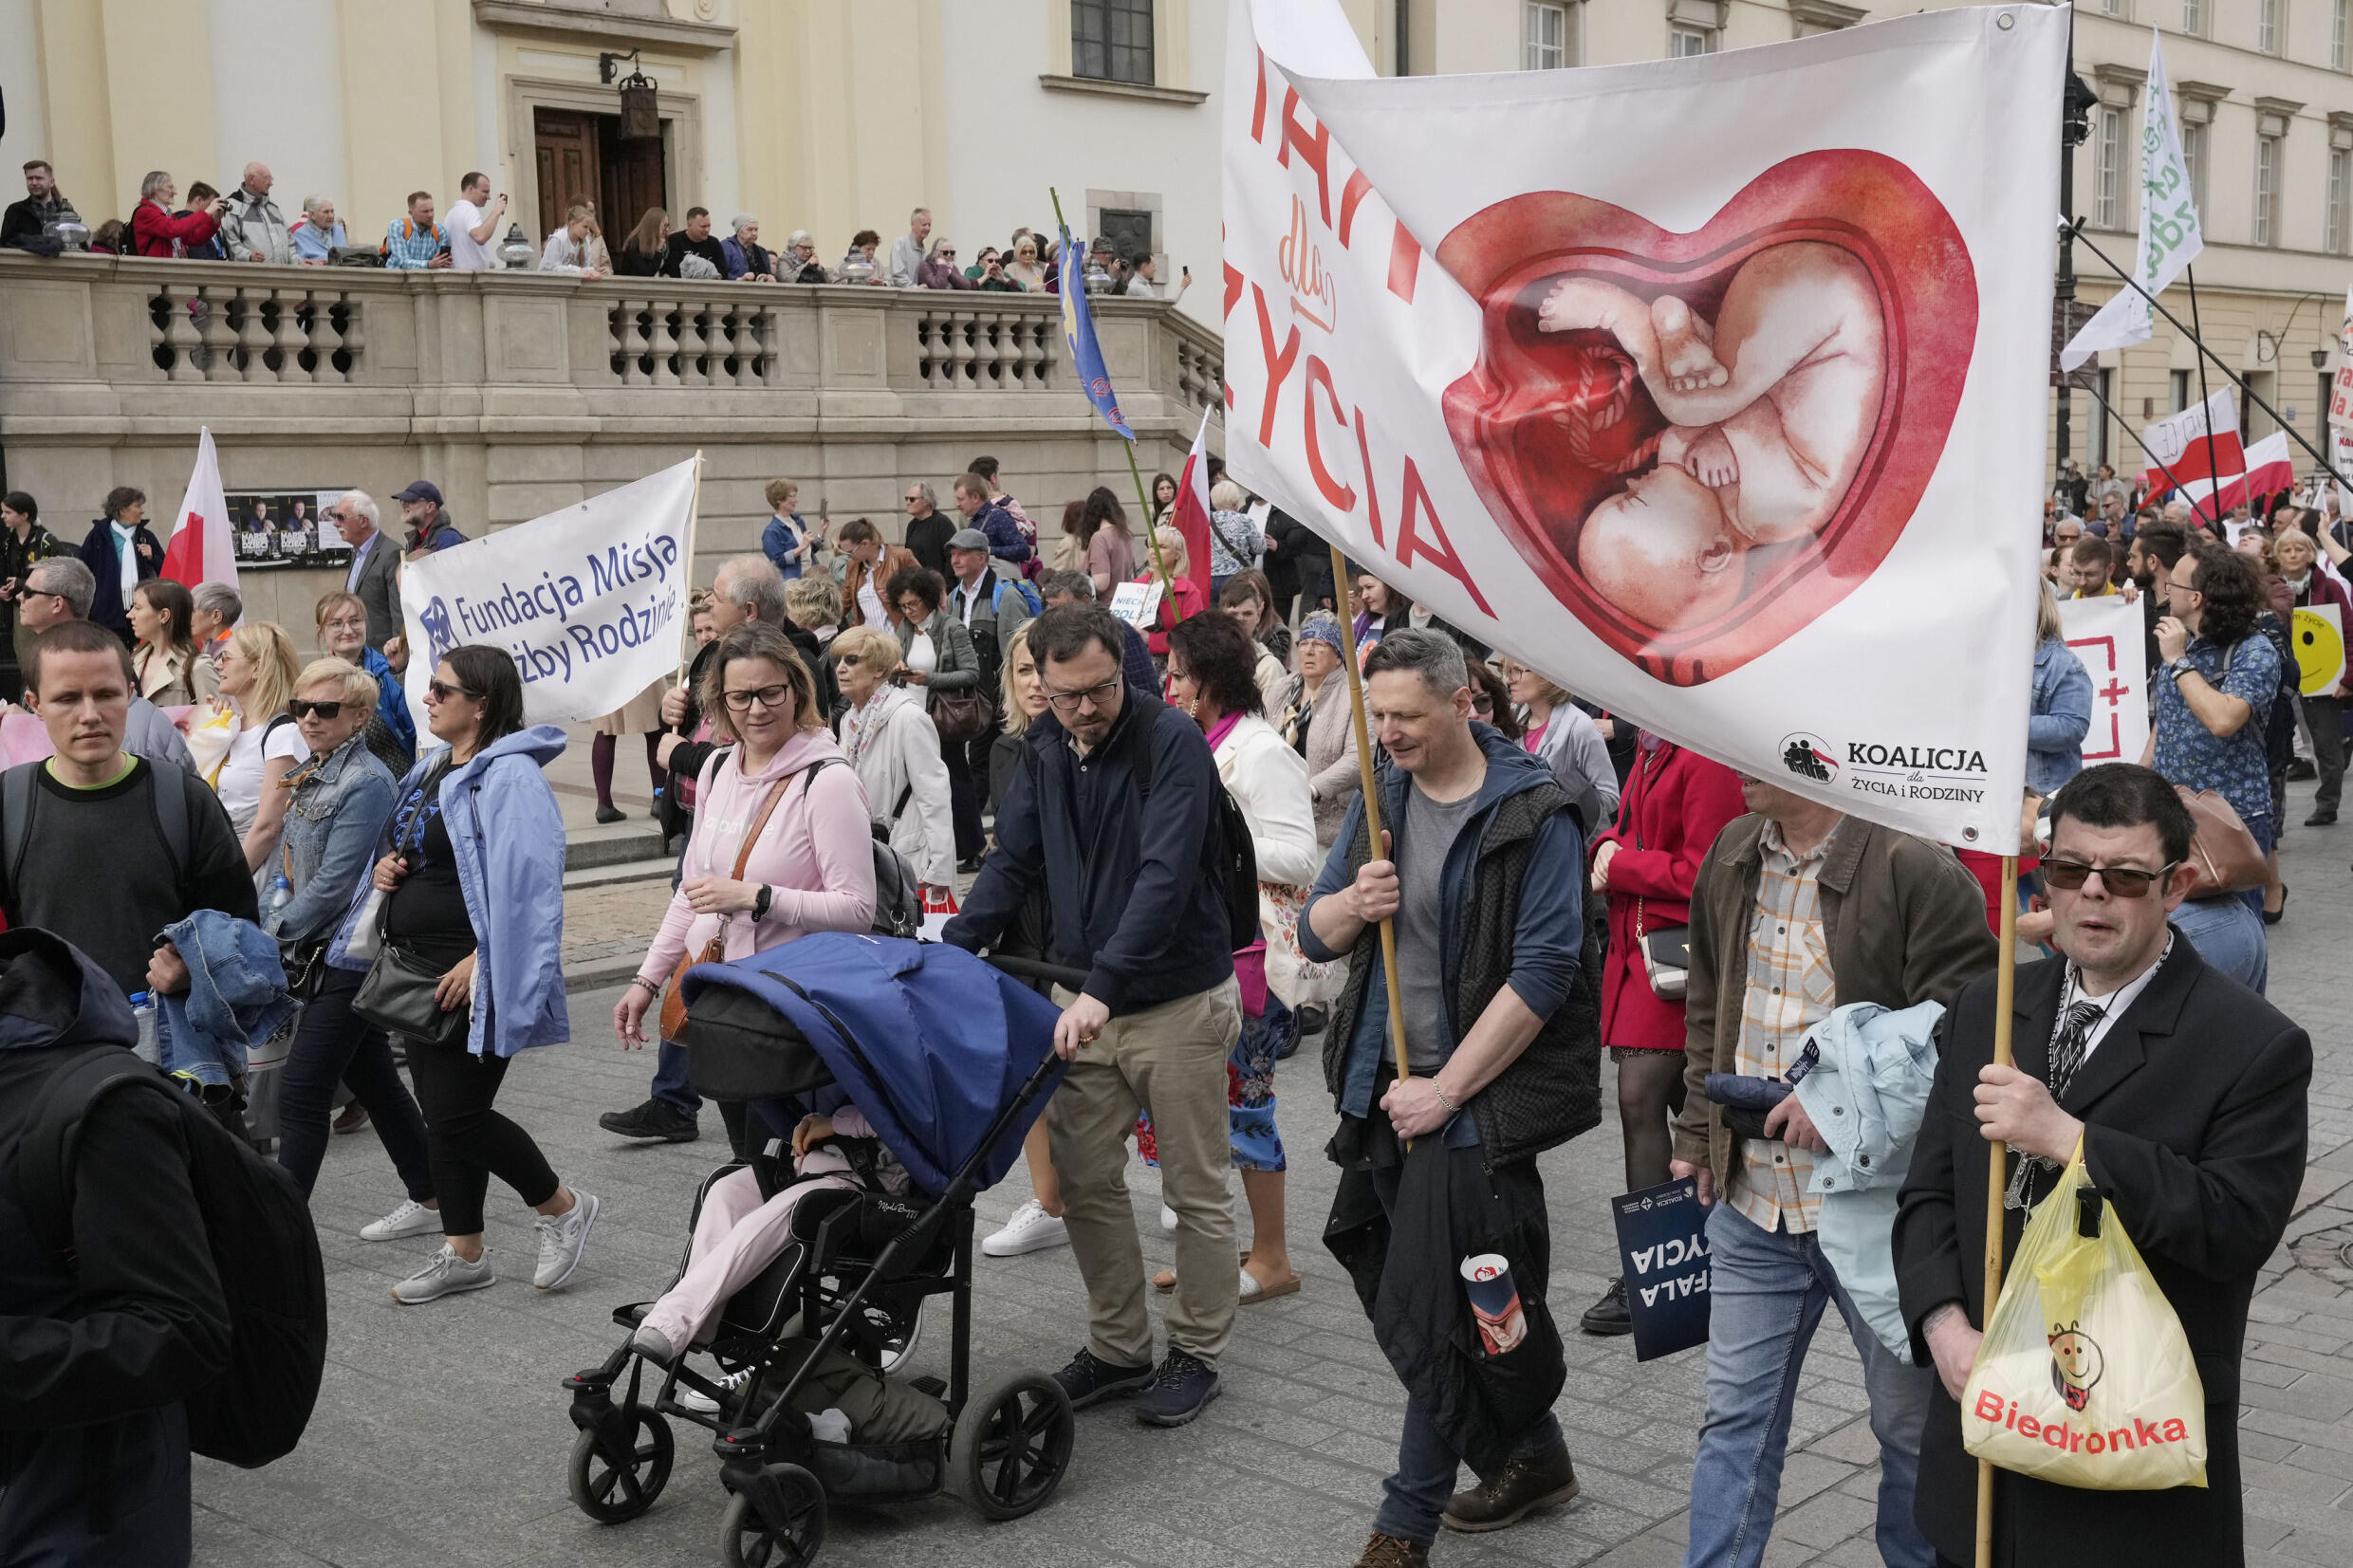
(2266,835)
(2229,936)
(1412,1498)
(1767,1290)
(670,1081)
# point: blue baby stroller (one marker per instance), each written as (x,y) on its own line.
(951,1060)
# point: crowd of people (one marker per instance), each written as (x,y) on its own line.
(248,225)
(955,698)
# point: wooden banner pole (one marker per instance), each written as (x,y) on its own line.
(2005,992)
(1372,802)
(694,512)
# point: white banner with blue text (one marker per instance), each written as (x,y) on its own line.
(589,602)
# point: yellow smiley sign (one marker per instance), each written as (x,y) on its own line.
(2319,649)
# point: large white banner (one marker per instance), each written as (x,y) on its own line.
(589,602)
(2169,237)
(2112,640)
(1714,388)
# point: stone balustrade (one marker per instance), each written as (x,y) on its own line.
(518,392)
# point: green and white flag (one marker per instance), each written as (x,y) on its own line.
(2170,239)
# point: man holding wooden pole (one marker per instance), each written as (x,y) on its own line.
(1481,1051)
(2187,1092)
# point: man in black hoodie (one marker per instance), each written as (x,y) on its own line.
(96,1355)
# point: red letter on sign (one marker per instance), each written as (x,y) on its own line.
(1278,365)
(1351,193)
(1340,495)
(1258,108)
(1438,550)
(1314,150)
(1372,492)
(1404,264)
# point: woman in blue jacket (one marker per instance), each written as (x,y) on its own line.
(2061,715)
(473,863)
(340,798)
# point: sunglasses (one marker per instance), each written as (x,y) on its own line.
(442,693)
(302,710)
(2120,881)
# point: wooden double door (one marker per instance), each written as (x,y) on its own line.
(584,157)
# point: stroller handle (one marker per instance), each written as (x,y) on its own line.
(1031,969)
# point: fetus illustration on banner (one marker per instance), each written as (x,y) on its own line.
(1701,441)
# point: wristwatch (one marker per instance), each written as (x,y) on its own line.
(760,901)
(2179,667)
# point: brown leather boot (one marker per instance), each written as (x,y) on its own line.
(1523,1486)
(1389,1552)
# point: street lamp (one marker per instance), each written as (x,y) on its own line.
(640,105)
(2074,127)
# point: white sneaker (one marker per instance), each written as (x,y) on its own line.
(703,1402)
(446,1275)
(1030,1229)
(560,1239)
(1168,1218)
(410,1219)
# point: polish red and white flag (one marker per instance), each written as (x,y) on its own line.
(203,547)
(1192,512)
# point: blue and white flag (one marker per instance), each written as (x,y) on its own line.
(589,602)
(1077,329)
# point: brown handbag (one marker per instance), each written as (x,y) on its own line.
(2223,854)
(714,951)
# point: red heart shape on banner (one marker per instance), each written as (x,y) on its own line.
(1813,345)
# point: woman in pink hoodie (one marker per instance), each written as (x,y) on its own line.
(786,787)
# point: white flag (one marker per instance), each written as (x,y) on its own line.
(589,602)
(1546,350)
(202,547)
(2170,239)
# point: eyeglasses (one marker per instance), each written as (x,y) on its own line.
(913,609)
(2120,881)
(1070,702)
(766,697)
(302,710)
(443,692)
(345,623)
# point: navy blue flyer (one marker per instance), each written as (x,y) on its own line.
(1662,1248)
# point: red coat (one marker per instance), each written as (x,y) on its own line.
(1676,802)
(153,230)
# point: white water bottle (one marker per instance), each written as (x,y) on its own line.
(280,893)
(143,1011)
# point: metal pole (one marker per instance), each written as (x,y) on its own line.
(2237,380)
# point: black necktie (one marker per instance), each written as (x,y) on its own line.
(2066,1044)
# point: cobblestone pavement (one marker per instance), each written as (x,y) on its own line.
(441,1434)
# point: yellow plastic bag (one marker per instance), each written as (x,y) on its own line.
(210,731)
(2085,1377)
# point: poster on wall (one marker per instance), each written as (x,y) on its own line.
(1711,387)
(288,524)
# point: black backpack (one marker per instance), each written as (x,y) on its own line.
(1227,853)
(898,901)
(263,1245)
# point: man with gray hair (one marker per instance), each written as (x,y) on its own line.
(1480,871)
(60,589)
(747,587)
(907,260)
(928,532)
(251,228)
(220,608)
(374,571)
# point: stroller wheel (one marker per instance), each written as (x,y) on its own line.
(749,1538)
(1012,1444)
(610,1488)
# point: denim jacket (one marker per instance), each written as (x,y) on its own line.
(236,997)
(341,801)
(1866,1092)
(506,836)
(2059,719)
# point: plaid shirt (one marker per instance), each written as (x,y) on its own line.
(407,246)
(1790,989)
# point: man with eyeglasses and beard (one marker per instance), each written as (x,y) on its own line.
(1137,904)
(2185,1093)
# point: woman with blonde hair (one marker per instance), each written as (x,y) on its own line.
(891,744)
(577,247)
(1166,563)
(641,251)
(258,673)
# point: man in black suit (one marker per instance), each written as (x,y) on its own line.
(2187,1091)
